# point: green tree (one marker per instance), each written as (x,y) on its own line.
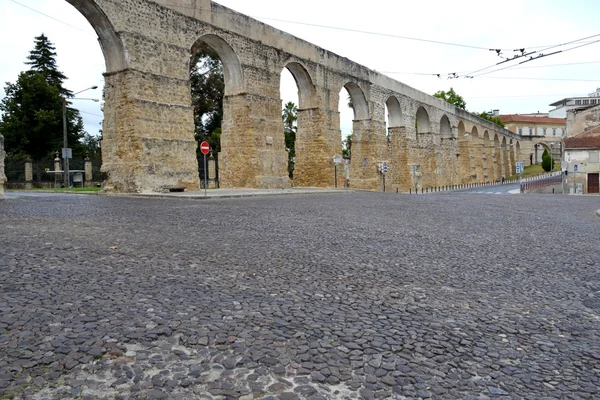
(290,116)
(347,147)
(208,88)
(31,110)
(491,118)
(451,97)
(546,161)
(42,59)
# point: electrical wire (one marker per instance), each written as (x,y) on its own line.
(516,68)
(55,19)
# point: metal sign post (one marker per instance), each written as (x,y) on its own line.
(205,149)
(336,160)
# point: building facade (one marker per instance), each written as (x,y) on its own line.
(582,151)
(562,107)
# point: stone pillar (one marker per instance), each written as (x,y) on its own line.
(511,161)
(506,161)
(399,176)
(478,150)
(315,147)
(2,175)
(426,155)
(464,161)
(28,173)
(369,146)
(148,142)
(212,172)
(88,171)
(252,143)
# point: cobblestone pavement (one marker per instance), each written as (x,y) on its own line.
(331,296)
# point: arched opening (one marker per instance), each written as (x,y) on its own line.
(230,63)
(298,96)
(394,112)
(215,72)
(110,42)
(357,101)
(422,122)
(352,107)
(446,128)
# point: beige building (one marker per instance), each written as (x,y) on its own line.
(582,151)
(551,130)
(527,125)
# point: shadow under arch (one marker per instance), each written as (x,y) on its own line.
(394,112)
(359,101)
(232,69)
(423,122)
(307,94)
(112,47)
(445,127)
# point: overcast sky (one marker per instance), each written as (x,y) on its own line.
(506,25)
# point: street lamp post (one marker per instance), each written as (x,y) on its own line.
(65,152)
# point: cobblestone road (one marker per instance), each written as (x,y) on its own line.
(337,296)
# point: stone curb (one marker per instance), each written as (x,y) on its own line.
(225,196)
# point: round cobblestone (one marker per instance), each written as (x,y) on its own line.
(337,296)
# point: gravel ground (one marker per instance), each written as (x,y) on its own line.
(331,296)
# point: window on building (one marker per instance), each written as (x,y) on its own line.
(553,131)
(577,102)
(544,131)
(586,102)
(530,131)
(520,131)
(593,101)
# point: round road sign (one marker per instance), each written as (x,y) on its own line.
(204,148)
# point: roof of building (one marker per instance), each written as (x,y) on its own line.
(589,139)
(535,120)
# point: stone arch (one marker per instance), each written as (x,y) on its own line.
(394,112)
(307,94)
(232,68)
(423,122)
(474,134)
(111,44)
(461,130)
(359,101)
(445,127)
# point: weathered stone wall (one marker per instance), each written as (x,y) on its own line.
(2,157)
(148,139)
(578,122)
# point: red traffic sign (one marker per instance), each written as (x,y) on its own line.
(204,148)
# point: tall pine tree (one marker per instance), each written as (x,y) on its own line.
(31,119)
(42,59)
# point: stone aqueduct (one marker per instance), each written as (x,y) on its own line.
(148,141)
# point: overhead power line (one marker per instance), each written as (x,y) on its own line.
(53,18)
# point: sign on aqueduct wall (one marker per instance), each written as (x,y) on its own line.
(148,141)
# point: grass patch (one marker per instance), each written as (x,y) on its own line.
(535,170)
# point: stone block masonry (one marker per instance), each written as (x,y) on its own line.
(148,141)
